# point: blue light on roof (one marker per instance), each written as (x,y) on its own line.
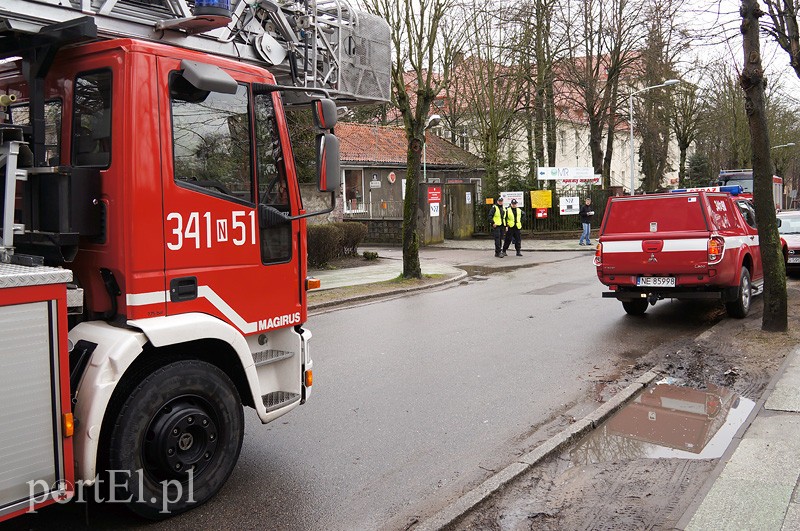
(733,189)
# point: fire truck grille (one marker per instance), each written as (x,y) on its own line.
(279,399)
(269,356)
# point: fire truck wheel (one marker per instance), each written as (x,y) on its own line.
(175,440)
(635,306)
(740,306)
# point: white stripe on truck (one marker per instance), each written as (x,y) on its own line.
(690,244)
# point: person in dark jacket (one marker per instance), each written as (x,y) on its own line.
(586,214)
(514,232)
(497,220)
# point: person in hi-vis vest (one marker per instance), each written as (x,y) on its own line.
(497,219)
(514,224)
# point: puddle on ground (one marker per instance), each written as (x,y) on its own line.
(666,421)
(481,271)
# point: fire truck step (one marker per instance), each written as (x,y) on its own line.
(279,399)
(270,356)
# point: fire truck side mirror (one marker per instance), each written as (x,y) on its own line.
(207,77)
(325,115)
(328,172)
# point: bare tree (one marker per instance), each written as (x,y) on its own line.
(754,83)
(603,38)
(685,123)
(784,28)
(425,41)
(664,43)
(491,88)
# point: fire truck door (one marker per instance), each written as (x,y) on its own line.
(218,260)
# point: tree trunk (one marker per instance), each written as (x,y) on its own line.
(682,165)
(411,267)
(753,83)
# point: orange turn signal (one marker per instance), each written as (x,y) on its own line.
(309,378)
(312,283)
(69,425)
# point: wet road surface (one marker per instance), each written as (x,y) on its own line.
(419,398)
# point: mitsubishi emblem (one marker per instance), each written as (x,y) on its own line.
(652,258)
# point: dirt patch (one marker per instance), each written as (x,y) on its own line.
(624,490)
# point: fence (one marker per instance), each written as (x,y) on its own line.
(554,222)
(374,210)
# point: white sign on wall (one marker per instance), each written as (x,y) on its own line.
(508,196)
(568,175)
(469,198)
(568,205)
(434,210)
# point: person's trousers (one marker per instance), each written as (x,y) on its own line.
(497,232)
(587,227)
(513,235)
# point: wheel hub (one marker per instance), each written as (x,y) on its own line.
(182,436)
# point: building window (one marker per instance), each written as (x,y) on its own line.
(354,191)
(563,141)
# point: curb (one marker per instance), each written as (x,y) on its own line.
(398,291)
(462,505)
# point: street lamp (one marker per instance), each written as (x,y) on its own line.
(433,121)
(666,83)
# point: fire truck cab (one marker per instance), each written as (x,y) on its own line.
(153,263)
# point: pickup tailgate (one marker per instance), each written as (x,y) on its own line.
(658,235)
(655,254)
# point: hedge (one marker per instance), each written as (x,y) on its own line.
(324,243)
(353,234)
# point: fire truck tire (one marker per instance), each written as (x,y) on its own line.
(740,306)
(635,306)
(175,440)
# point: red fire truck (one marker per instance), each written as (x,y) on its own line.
(153,253)
(744,178)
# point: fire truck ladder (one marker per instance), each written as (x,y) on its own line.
(305,43)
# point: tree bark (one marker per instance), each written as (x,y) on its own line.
(753,83)
(411,264)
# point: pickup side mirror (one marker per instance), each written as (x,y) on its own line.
(778,220)
(328,172)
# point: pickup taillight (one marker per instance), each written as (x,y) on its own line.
(598,255)
(716,248)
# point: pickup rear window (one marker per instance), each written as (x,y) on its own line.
(677,213)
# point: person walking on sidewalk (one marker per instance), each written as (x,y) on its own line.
(514,224)
(497,217)
(586,214)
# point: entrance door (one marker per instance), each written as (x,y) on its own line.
(459,199)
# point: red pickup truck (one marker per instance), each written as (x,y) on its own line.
(688,245)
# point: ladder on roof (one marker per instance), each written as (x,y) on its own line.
(305,43)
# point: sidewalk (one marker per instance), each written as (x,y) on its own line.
(391,265)
(756,486)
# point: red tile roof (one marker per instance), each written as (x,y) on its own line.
(387,144)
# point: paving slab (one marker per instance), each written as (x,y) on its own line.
(723,508)
(786,395)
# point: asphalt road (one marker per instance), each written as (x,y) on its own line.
(419,398)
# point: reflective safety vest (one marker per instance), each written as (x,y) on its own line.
(499,214)
(514,217)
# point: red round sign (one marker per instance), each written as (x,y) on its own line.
(392,177)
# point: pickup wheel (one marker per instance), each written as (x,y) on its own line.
(175,440)
(740,306)
(635,306)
